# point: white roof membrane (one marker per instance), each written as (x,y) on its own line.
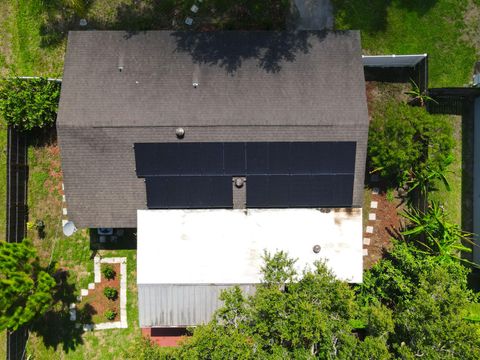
(226,246)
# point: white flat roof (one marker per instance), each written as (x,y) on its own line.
(226,246)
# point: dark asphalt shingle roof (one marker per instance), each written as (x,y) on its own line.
(245,78)
(253,86)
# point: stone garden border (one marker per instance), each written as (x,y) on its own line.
(122,324)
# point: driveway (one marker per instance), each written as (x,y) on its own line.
(310,15)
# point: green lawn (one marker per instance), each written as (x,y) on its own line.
(452,200)
(74,254)
(444,29)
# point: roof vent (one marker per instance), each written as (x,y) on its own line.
(180,132)
(195,85)
(316,249)
(239,182)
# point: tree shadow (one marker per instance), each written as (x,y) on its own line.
(55,327)
(59,19)
(229,49)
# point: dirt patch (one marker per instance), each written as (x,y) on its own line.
(98,302)
(378,93)
(385,227)
(6,12)
(471,18)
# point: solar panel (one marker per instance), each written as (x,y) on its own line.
(279,174)
(234,158)
(299,190)
(245,158)
(257,158)
(189,192)
(279,158)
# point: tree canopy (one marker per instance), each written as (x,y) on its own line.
(410,306)
(25,288)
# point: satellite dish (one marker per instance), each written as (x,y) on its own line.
(69,228)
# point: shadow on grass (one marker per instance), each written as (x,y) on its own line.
(371,16)
(135,16)
(55,327)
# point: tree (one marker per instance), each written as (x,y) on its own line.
(291,315)
(29,103)
(424,300)
(431,325)
(405,141)
(25,287)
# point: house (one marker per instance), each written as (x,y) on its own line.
(216,146)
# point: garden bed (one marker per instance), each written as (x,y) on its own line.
(387,223)
(98,303)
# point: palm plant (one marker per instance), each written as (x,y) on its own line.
(419,95)
(434,235)
(423,179)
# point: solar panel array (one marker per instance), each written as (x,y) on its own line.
(279,174)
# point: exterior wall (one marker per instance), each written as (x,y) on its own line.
(107,168)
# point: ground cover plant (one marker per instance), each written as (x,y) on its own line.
(108,272)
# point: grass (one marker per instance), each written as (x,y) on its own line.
(29,55)
(440,28)
(3,344)
(451,200)
(74,254)
(472,312)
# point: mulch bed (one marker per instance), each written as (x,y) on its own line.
(385,227)
(98,302)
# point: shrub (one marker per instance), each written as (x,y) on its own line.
(110,293)
(405,141)
(108,272)
(110,314)
(28,104)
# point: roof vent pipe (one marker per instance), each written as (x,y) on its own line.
(180,132)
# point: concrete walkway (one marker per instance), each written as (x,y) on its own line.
(311,15)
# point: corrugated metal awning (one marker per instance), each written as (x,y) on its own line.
(167,305)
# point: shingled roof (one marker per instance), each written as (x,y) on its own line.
(120,88)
